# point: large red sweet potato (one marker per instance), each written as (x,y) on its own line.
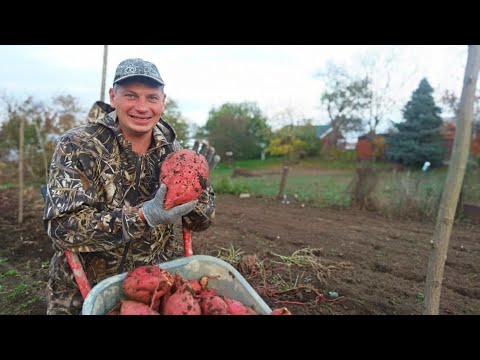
(147,284)
(237,308)
(207,292)
(182,302)
(185,173)
(130,307)
(213,305)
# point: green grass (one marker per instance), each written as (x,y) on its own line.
(7,185)
(226,168)
(471,186)
(28,303)
(412,194)
(418,194)
(319,190)
(19,290)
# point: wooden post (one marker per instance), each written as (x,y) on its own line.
(453,184)
(283,182)
(20,170)
(44,153)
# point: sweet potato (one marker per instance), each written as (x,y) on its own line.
(179,281)
(213,305)
(281,311)
(207,292)
(147,284)
(182,302)
(237,308)
(130,307)
(197,288)
(186,174)
(164,300)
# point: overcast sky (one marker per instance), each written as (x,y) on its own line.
(202,77)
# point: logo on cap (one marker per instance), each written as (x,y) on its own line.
(137,67)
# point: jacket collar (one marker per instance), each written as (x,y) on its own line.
(104,114)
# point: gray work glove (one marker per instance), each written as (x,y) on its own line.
(208,152)
(155,214)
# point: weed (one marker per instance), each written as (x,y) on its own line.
(27,303)
(228,186)
(230,254)
(10,272)
(311,257)
(420,297)
(20,290)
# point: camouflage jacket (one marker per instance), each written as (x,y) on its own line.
(96,185)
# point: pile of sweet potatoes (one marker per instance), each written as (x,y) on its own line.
(150,290)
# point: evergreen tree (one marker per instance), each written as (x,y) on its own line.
(418,138)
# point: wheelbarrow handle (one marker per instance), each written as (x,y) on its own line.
(187,239)
(79,273)
(73,261)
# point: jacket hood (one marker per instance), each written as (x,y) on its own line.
(98,113)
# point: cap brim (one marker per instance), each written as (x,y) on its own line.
(137,75)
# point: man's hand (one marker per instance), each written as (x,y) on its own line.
(208,152)
(155,214)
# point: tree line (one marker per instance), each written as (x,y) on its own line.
(242,130)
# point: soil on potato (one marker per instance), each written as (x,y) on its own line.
(311,260)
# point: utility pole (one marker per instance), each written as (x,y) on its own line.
(104,72)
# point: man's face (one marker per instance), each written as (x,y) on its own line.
(139,107)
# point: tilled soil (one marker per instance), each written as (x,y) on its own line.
(311,260)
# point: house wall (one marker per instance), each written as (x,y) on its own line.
(328,143)
(448,134)
(476,145)
(364,149)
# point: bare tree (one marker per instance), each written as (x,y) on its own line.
(287,116)
(380,67)
(42,123)
(379,72)
(453,184)
(450,102)
(345,98)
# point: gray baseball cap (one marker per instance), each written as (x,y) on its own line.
(137,67)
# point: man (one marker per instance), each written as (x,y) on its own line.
(104,202)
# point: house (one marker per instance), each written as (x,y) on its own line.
(475,149)
(448,137)
(329,141)
(368,148)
